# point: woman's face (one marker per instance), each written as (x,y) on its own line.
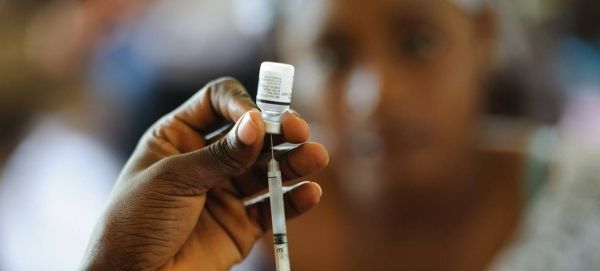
(403,90)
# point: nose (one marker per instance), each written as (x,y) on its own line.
(374,92)
(362,94)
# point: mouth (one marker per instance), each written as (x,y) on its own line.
(405,142)
(390,143)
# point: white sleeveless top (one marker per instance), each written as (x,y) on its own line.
(560,230)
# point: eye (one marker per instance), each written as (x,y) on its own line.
(335,59)
(336,51)
(421,44)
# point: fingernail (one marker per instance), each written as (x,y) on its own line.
(292,111)
(320,190)
(247,130)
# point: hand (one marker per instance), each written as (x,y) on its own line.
(179,202)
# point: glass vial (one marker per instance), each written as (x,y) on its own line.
(274,93)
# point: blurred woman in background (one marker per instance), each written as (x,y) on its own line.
(424,179)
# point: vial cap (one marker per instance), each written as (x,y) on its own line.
(277,67)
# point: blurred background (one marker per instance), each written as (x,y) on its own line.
(80,81)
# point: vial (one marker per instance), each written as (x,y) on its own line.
(274,93)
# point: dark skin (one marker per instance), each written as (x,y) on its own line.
(437,200)
(179,202)
(157,197)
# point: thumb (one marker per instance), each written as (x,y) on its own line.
(229,157)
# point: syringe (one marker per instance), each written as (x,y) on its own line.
(282,259)
(273,97)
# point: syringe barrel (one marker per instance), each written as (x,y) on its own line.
(276,195)
(278,217)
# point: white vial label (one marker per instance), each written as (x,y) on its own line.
(274,88)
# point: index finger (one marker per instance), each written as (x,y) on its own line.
(220,101)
